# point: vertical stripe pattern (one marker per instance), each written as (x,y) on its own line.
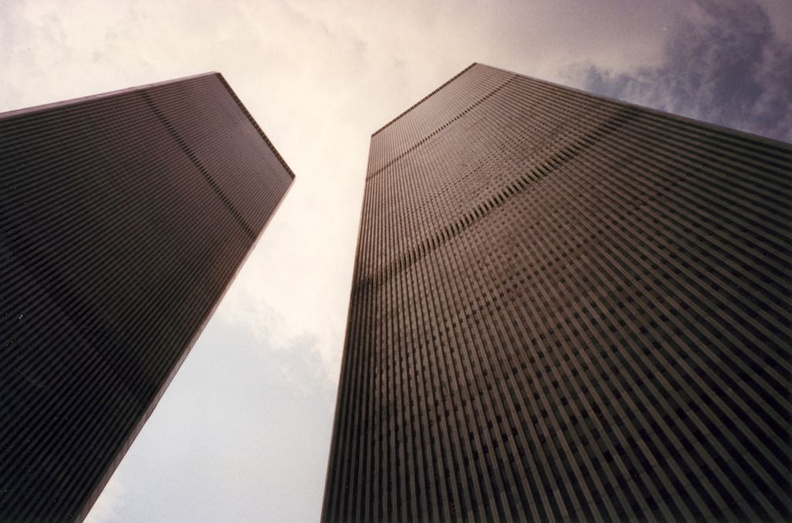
(565,308)
(123,218)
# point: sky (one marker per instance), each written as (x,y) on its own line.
(244,430)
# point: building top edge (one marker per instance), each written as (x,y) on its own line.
(84,99)
(99,96)
(773,142)
(419,102)
(255,125)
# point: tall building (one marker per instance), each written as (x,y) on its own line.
(566,308)
(123,219)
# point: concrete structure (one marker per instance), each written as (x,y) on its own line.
(565,307)
(123,219)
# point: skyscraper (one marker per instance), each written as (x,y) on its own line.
(123,219)
(565,307)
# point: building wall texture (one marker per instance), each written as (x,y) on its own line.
(123,218)
(565,308)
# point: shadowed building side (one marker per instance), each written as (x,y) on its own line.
(565,307)
(123,219)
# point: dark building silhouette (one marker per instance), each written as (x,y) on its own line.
(123,219)
(565,308)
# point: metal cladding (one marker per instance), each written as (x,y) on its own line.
(565,308)
(123,218)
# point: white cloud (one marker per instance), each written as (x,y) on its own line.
(108,508)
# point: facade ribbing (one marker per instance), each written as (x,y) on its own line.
(565,307)
(123,218)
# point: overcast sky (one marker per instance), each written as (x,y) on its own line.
(243,432)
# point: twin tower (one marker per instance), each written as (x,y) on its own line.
(564,308)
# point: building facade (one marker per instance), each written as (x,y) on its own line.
(565,307)
(123,219)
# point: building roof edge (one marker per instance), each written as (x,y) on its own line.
(419,102)
(255,124)
(81,99)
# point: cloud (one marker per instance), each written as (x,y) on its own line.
(231,440)
(108,507)
(724,63)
